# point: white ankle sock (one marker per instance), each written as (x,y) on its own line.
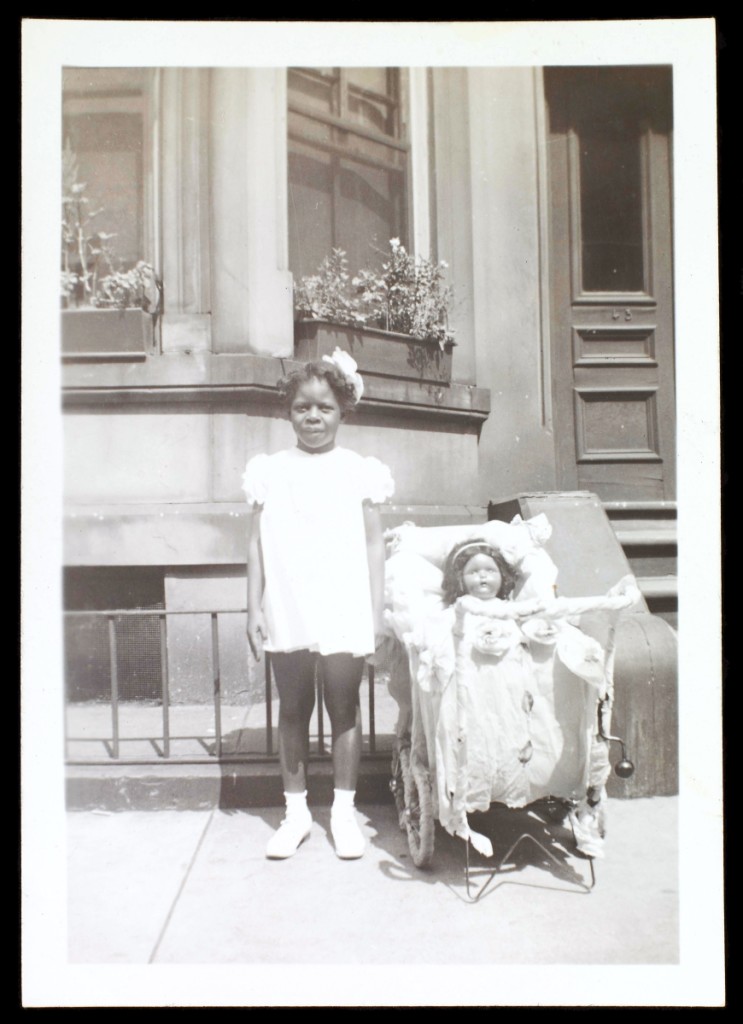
(296,801)
(294,829)
(343,799)
(347,836)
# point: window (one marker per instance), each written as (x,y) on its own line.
(611,211)
(138,639)
(615,117)
(105,135)
(348,163)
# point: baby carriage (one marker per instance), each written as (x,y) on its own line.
(494,709)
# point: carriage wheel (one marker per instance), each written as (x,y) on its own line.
(419,822)
(397,786)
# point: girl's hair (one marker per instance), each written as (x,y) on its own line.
(460,555)
(341,387)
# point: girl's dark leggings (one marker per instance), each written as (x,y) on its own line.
(294,673)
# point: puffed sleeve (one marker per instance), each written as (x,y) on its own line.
(254,480)
(377,484)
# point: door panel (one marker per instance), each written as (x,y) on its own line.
(611,280)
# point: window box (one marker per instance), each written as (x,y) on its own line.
(379,352)
(107,333)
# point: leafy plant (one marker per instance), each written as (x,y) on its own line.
(91,274)
(406,294)
(124,289)
(326,295)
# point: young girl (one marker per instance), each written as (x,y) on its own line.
(316,586)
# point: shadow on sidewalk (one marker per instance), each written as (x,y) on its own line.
(562,867)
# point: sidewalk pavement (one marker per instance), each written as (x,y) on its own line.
(194,887)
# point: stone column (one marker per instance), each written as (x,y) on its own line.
(186,322)
(452,209)
(516,446)
(420,153)
(251,283)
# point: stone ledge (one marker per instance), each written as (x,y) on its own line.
(197,534)
(658,587)
(250,380)
(192,787)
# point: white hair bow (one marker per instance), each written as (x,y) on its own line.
(346,364)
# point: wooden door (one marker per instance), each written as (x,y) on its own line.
(611,295)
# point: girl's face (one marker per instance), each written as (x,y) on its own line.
(481,577)
(315,415)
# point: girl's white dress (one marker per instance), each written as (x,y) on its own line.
(317,592)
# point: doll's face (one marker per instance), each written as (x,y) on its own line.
(481,577)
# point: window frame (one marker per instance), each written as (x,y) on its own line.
(346,125)
(85,330)
(111,100)
(400,142)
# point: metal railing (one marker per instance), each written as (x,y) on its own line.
(162,742)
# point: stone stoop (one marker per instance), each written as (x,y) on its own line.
(648,535)
(224,785)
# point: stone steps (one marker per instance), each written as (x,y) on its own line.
(648,535)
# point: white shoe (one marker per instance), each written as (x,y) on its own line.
(588,832)
(349,842)
(290,835)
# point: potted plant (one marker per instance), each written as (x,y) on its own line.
(392,319)
(107,311)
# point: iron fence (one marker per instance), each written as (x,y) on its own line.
(154,732)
